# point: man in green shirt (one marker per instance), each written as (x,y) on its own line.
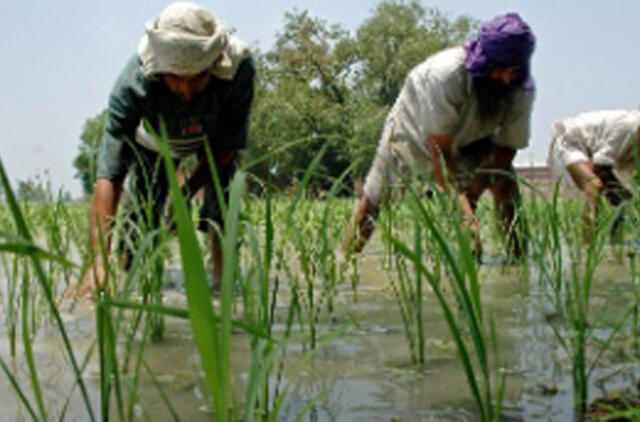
(193,78)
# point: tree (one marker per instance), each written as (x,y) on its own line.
(37,188)
(321,86)
(302,103)
(85,161)
(398,36)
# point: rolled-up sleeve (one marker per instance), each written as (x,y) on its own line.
(233,126)
(515,129)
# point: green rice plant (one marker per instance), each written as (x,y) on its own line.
(11,274)
(300,232)
(27,344)
(120,334)
(24,235)
(212,337)
(635,323)
(408,292)
(83,366)
(109,371)
(23,398)
(577,303)
(215,334)
(62,234)
(461,271)
(260,308)
(260,299)
(567,264)
(137,225)
(212,331)
(165,398)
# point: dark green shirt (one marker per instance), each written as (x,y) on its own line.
(218,115)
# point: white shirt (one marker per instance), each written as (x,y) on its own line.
(438,99)
(603,137)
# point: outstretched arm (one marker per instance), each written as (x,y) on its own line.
(105,202)
(584,175)
(360,228)
(441,150)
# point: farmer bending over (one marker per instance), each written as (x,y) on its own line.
(591,147)
(468,108)
(193,78)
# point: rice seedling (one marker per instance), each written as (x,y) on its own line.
(36,263)
(212,330)
(635,327)
(282,282)
(566,267)
(408,292)
(11,272)
(461,271)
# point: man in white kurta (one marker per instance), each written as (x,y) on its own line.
(591,147)
(469,107)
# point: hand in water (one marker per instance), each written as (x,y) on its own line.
(95,279)
(471,224)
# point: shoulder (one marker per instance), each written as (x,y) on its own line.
(246,70)
(599,118)
(444,70)
(131,83)
(444,66)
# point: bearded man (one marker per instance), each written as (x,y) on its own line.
(193,80)
(468,108)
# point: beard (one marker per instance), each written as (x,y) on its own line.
(493,96)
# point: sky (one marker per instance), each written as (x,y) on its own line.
(60,59)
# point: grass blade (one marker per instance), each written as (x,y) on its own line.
(23,232)
(18,390)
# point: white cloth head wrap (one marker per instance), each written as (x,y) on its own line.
(186,40)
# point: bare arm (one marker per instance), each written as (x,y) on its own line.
(105,203)
(440,148)
(584,175)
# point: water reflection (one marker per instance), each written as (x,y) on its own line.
(366,374)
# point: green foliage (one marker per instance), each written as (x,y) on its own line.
(397,37)
(85,161)
(321,85)
(37,188)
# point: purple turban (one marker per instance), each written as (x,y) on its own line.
(504,41)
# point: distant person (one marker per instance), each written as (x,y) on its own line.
(191,77)
(591,147)
(469,107)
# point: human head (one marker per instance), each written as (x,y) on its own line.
(181,46)
(186,86)
(504,46)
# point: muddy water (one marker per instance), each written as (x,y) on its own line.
(365,374)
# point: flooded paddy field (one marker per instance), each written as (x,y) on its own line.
(336,338)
